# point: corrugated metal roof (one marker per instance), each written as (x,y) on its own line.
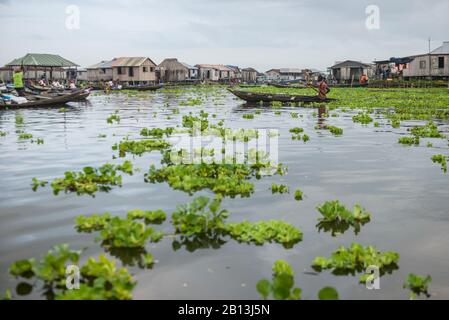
(350,63)
(42,60)
(249,69)
(101,65)
(188,66)
(444,49)
(129,61)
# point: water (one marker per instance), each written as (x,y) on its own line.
(405,192)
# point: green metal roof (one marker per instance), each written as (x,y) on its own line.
(42,60)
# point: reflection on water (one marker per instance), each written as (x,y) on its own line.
(404,191)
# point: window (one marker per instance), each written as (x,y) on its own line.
(441,62)
(145,69)
(422,64)
(151,69)
(103,70)
(131,71)
(119,70)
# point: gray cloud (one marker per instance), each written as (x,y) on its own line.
(258,33)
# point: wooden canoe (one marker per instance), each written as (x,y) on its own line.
(143,88)
(46,101)
(278,85)
(254,97)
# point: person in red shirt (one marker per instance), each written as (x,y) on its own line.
(363,80)
(323,88)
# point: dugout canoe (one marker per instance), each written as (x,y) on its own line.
(254,97)
(36,101)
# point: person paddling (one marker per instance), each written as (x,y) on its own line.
(323,88)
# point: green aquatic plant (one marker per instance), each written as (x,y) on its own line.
(430,130)
(95,222)
(25,136)
(51,268)
(332,129)
(3,133)
(138,147)
(264,231)
(417,285)
(35,183)
(362,118)
(201,216)
(19,119)
(442,160)
(101,280)
(113,118)
(248,116)
(395,123)
(150,217)
(296,130)
(279,188)
(224,179)
(90,180)
(299,195)
(328,293)
(409,140)
(357,258)
(126,233)
(157,132)
(294,115)
(282,285)
(190,121)
(191,102)
(337,218)
(305,138)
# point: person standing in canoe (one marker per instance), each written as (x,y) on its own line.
(18,81)
(323,88)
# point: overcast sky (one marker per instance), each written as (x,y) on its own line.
(249,33)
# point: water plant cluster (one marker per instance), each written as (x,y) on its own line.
(203,223)
(89,180)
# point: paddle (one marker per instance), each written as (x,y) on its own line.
(310,86)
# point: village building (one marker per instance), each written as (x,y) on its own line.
(193,71)
(236,71)
(350,71)
(433,65)
(290,74)
(390,69)
(101,71)
(273,75)
(41,65)
(133,70)
(171,70)
(249,75)
(81,74)
(215,72)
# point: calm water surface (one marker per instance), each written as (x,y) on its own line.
(407,195)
